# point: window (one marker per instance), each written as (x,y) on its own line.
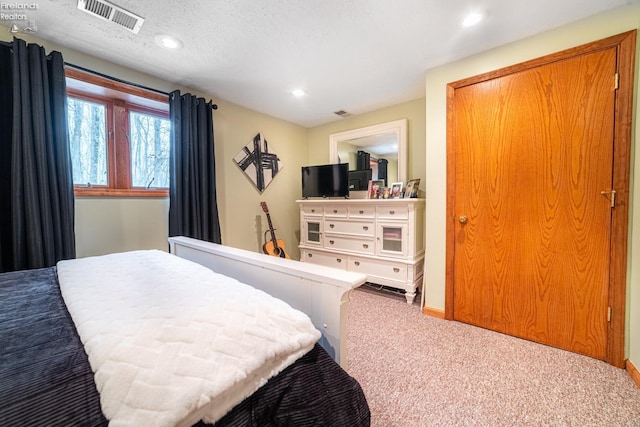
(87,121)
(149,143)
(119,137)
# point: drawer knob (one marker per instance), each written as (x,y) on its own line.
(392,212)
(357,263)
(365,246)
(361,212)
(331,242)
(396,270)
(310,255)
(335,211)
(331,225)
(338,260)
(313,210)
(365,228)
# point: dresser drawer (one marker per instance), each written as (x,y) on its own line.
(335,211)
(311,210)
(366,229)
(396,272)
(356,212)
(326,259)
(339,243)
(392,212)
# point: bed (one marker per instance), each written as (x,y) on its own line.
(139,338)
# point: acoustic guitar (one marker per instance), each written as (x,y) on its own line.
(275,247)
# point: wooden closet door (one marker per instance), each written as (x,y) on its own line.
(534,152)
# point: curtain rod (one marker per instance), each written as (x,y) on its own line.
(115,79)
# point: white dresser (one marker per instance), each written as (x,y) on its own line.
(383,239)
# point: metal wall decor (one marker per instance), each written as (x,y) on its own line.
(258,163)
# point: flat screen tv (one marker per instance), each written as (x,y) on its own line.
(325,180)
(359,179)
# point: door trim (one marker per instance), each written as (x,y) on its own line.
(625,44)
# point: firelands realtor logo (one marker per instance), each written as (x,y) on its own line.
(16,11)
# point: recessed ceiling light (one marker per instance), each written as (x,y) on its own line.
(168,42)
(472,19)
(298,93)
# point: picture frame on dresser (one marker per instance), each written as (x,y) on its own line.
(411,190)
(375,189)
(396,190)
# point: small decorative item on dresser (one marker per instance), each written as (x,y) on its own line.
(396,190)
(411,191)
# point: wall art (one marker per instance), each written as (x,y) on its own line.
(258,164)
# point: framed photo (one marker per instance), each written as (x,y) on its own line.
(396,190)
(375,189)
(411,190)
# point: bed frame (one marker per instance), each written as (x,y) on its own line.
(320,292)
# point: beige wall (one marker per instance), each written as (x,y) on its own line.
(595,28)
(238,200)
(117,224)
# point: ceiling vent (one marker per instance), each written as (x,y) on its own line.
(111,12)
(342,113)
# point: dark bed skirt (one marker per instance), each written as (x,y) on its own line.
(46,379)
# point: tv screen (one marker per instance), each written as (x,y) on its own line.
(359,179)
(325,180)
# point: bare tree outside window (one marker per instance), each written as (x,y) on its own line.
(149,141)
(88,141)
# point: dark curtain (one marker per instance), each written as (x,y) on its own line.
(36,182)
(193,206)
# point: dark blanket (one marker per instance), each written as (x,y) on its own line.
(314,391)
(46,379)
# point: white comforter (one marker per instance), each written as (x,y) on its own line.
(172,342)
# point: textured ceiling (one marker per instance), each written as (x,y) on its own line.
(352,55)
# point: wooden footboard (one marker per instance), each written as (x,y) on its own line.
(320,292)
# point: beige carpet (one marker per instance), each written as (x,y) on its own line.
(420,371)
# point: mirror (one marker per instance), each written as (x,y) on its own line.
(385,141)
